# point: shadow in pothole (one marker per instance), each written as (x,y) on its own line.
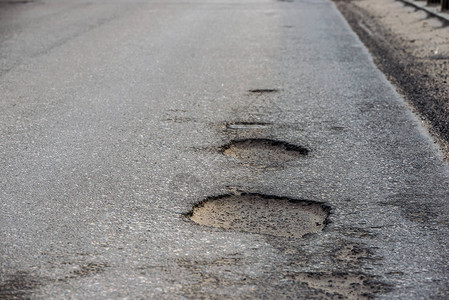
(263,151)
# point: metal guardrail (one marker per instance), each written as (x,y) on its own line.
(436,8)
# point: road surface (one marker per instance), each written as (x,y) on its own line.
(118,117)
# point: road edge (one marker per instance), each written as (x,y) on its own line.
(413,84)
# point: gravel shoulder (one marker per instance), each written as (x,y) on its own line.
(412,49)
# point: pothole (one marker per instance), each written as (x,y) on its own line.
(263,150)
(263,91)
(262,214)
(247,125)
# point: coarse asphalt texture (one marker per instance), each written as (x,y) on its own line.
(113,117)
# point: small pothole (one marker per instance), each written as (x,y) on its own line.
(263,150)
(263,91)
(262,214)
(247,125)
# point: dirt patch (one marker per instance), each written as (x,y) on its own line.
(22,284)
(262,214)
(352,255)
(264,150)
(19,285)
(338,285)
(214,280)
(88,270)
(416,208)
(412,49)
(357,233)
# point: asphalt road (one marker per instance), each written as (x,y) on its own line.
(113,115)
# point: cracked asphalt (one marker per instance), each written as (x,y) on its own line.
(113,117)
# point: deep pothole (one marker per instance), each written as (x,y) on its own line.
(264,150)
(262,214)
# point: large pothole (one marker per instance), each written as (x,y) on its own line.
(262,214)
(263,150)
